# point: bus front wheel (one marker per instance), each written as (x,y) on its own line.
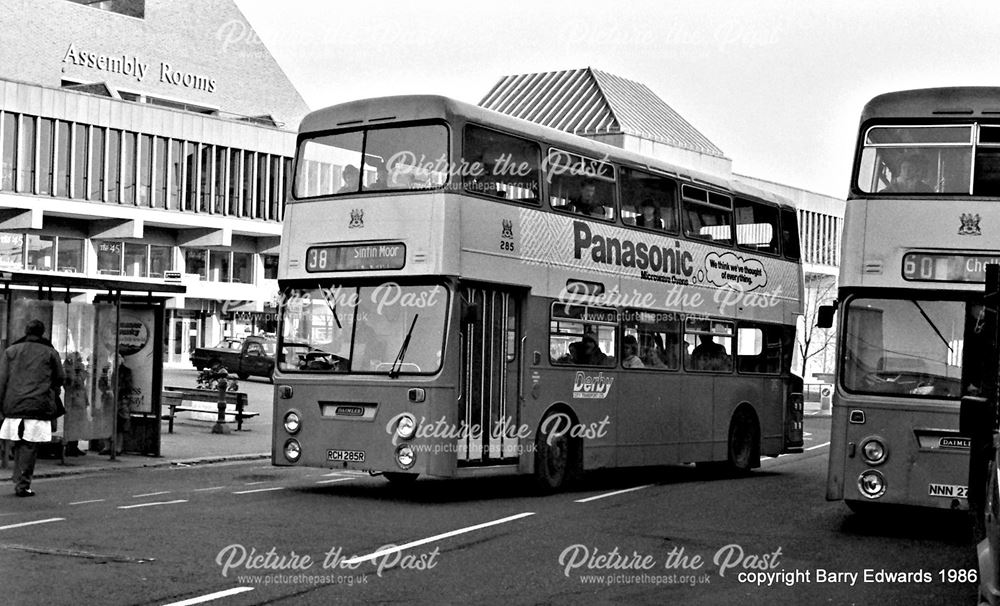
(553,458)
(744,440)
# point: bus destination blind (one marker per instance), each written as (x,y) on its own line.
(356,257)
(939,267)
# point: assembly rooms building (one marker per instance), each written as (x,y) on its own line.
(147,140)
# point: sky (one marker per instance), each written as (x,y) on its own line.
(778,85)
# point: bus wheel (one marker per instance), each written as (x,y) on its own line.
(400,479)
(744,438)
(553,459)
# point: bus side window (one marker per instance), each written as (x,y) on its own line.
(500,165)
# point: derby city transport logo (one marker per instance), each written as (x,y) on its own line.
(592,386)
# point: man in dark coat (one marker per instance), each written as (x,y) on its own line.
(31,374)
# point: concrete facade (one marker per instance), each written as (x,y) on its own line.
(156,148)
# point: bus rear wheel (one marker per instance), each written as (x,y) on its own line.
(744,439)
(553,458)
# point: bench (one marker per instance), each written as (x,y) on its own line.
(173,399)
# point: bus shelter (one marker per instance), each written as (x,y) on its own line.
(109,335)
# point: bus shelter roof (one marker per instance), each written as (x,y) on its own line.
(13,278)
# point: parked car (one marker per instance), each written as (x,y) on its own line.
(252,356)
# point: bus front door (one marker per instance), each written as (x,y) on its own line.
(490,373)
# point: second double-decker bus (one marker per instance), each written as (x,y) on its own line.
(921,225)
(467,293)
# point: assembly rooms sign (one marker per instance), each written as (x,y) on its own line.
(133,66)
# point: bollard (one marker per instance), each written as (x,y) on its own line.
(220,423)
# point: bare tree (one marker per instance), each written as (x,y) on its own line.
(820,289)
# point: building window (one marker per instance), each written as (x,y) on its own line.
(190,176)
(196,262)
(243,267)
(207,155)
(160,260)
(8,132)
(161,165)
(129,162)
(218,266)
(248,180)
(235,163)
(69,255)
(145,163)
(114,167)
(12,250)
(275,201)
(96,185)
(221,155)
(109,257)
(63,151)
(26,156)
(45,151)
(41,252)
(135,260)
(261,207)
(270,266)
(80,161)
(174,200)
(132,8)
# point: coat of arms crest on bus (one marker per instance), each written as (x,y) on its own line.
(970,225)
(357,218)
(508,229)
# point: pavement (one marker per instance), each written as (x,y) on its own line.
(193,443)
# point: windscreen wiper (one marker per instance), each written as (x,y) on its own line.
(933,326)
(397,364)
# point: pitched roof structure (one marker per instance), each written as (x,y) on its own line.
(589,102)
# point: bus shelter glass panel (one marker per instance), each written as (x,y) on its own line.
(914,348)
(383,329)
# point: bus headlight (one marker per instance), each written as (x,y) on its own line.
(292,450)
(406,426)
(405,457)
(292,422)
(874,451)
(871,484)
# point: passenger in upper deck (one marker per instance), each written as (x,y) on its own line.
(909,177)
(649,214)
(352,179)
(586,203)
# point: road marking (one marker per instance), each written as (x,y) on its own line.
(45,521)
(254,483)
(153,503)
(611,494)
(259,490)
(437,537)
(334,480)
(212,488)
(818,446)
(150,494)
(211,596)
(85,502)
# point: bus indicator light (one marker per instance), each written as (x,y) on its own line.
(874,451)
(292,450)
(405,457)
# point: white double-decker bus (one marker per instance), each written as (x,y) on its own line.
(919,229)
(466,293)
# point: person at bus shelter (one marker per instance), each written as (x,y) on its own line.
(585,202)
(709,355)
(909,177)
(630,353)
